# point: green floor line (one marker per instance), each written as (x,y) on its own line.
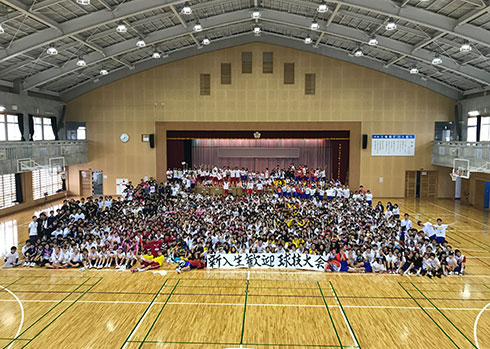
(12,283)
(47,312)
(68,307)
(244,312)
(329,315)
(159,313)
(144,313)
(456,327)
(346,318)
(430,317)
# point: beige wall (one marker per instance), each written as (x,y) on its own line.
(344,92)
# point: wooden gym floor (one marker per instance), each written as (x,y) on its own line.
(256,308)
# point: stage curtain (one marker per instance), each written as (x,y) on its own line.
(315,153)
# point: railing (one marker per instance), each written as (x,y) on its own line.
(478,153)
(74,152)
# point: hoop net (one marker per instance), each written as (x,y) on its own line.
(57,166)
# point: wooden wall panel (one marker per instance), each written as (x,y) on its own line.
(344,93)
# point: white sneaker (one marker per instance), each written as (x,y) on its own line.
(451,273)
(123,268)
(25,264)
(82,269)
(32,264)
(178,270)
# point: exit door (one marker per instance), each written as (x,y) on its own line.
(486,199)
(421,184)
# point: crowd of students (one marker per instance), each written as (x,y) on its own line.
(153,223)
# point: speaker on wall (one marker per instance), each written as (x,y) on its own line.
(364,141)
(152,140)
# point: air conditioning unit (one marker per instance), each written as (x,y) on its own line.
(3,154)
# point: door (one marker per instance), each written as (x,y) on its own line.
(421,184)
(428,184)
(97,183)
(85,183)
(410,183)
(486,198)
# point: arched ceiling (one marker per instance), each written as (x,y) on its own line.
(424,29)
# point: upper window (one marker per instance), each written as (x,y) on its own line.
(472,126)
(9,128)
(81,132)
(485,129)
(43,130)
(8,194)
(45,182)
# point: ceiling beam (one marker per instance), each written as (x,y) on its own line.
(265,38)
(423,17)
(81,24)
(273,16)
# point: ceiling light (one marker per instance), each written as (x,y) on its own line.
(83,2)
(141,43)
(2,108)
(322,8)
(156,55)
(197,27)
(256,14)
(414,71)
(1,29)
(437,60)
(466,47)
(257,30)
(373,41)
(308,40)
(121,28)
(52,50)
(81,62)
(358,53)
(104,72)
(390,25)
(206,41)
(186,10)
(314,25)
(474,113)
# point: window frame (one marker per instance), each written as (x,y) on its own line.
(45,122)
(9,198)
(53,183)
(5,125)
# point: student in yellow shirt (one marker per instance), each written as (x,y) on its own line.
(149,262)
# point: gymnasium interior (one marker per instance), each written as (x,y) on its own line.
(174,111)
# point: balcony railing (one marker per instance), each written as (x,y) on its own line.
(478,153)
(74,152)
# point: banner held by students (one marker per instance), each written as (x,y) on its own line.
(267,260)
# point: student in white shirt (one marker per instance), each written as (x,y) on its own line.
(369,198)
(12,259)
(55,259)
(440,230)
(406,222)
(33,230)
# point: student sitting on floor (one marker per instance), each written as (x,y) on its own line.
(12,259)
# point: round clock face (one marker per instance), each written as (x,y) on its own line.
(124,137)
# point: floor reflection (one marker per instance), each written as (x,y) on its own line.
(8,236)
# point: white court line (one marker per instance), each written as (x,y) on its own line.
(143,317)
(345,318)
(475,327)
(241,304)
(21,313)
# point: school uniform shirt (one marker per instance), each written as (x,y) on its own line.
(76,258)
(55,257)
(12,258)
(33,228)
(407,223)
(428,229)
(440,230)
(369,197)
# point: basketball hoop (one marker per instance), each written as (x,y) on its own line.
(454,176)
